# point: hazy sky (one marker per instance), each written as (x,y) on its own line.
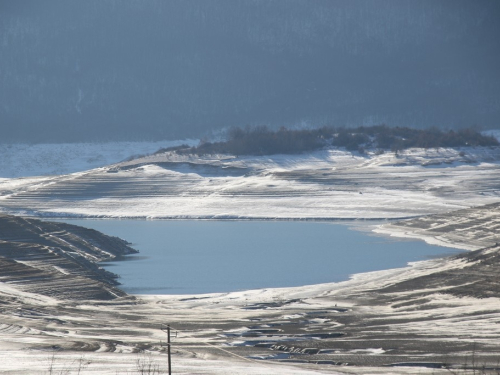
(153,69)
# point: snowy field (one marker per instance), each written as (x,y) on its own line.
(414,314)
(327,184)
(216,333)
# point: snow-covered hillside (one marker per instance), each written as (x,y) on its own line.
(27,160)
(430,314)
(431,317)
(326,184)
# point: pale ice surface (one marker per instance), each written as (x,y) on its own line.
(23,160)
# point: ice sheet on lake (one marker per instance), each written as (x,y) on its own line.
(23,160)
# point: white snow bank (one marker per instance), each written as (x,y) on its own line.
(21,362)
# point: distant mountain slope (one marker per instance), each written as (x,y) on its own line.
(75,70)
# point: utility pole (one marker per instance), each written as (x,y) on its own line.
(168,348)
(168,351)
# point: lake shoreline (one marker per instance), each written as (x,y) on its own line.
(199,257)
(431,315)
(320,328)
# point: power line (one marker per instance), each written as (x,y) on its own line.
(268,364)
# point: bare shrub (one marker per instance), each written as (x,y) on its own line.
(145,365)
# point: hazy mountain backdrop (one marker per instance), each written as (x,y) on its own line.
(83,70)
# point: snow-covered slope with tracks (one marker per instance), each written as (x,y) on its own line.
(327,184)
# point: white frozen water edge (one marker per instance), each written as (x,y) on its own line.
(24,160)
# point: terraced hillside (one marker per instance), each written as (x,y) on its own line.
(432,314)
(471,228)
(328,184)
(57,259)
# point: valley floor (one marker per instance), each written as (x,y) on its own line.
(432,317)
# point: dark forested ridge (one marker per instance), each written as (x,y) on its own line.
(73,70)
(263,141)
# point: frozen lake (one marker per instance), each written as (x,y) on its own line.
(191,257)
